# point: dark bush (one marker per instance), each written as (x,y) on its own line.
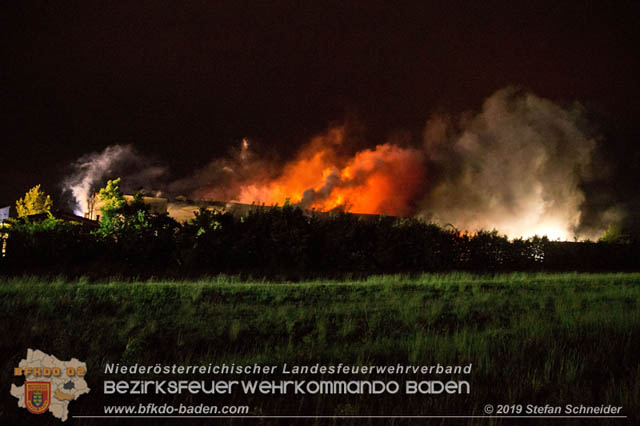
(49,243)
(289,242)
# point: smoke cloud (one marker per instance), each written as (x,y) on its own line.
(222,179)
(91,172)
(518,166)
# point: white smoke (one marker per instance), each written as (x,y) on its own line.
(516,167)
(92,170)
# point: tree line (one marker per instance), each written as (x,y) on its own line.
(283,242)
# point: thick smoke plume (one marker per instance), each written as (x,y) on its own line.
(516,166)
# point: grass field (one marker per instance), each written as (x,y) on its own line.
(532,339)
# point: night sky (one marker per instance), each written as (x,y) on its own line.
(185,81)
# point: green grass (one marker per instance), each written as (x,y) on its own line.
(532,338)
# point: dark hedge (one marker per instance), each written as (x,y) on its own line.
(290,243)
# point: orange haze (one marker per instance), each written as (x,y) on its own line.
(380,181)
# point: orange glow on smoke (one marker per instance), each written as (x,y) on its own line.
(379,181)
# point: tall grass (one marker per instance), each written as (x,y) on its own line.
(532,338)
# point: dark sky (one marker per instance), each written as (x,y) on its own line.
(183,81)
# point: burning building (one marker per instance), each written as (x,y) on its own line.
(518,166)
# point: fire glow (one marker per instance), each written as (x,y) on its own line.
(516,166)
(383,180)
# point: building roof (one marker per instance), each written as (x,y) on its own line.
(66,217)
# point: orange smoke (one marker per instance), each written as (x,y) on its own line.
(380,181)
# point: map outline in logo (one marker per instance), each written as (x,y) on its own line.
(50,384)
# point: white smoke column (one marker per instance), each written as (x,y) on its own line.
(115,161)
(514,167)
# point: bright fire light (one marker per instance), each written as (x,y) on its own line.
(380,181)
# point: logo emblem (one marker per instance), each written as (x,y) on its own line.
(37,396)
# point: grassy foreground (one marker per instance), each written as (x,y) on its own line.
(532,339)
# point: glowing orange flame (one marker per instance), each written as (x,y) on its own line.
(379,181)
